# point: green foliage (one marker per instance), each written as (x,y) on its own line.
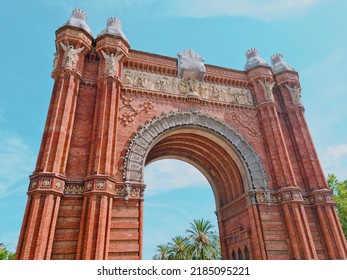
(201,243)
(5,254)
(163,253)
(178,248)
(339,189)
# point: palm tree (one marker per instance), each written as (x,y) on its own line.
(162,250)
(203,241)
(178,248)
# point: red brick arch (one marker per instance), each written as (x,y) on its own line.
(244,130)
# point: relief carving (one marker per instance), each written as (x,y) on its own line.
(268,90)
(70,55)
(246,119)
(187,87)
(132,110)
(111,63)
(295,93)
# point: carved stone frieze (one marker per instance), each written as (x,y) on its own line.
(186,87)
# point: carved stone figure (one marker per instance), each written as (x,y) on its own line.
(127,78)
(296,94)
(249,98)
(214,93)
(111,63)
(70,55)
(230,96)
(161,84)
(142,81)
(173,87)
(202,90)
(239,97)
(268,90)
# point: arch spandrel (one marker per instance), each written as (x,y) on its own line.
(147,136)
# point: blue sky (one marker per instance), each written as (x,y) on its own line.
(311,34)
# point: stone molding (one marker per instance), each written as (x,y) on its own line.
(294,195)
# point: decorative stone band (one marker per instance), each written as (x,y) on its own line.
(116,190)
(187,87)
(99,184)
(46,182)
(139,146)
(319,197)
(130,191)
(73,189)
(283,196)
(74,34)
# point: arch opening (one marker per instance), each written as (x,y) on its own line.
(210,154)
(177,193)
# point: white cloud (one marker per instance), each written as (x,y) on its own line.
(267,10)
(166,175)
(16,163)
(334,160)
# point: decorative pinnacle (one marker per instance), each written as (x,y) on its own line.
(279,65)
(78,19)
(79,14)
(113,27)
(114,22)
(253,59)
(252,52)
(276,58)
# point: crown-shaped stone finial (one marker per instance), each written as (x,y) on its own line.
(252,52)
(79,14)
(191,65)
(253,59)
(113,27)
(279,65)
(78,19)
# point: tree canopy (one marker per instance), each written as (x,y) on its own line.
(5,254)
(201,243)
(339,189)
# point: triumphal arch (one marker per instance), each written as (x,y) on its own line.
(114,110)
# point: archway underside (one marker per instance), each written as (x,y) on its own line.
(211,159)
